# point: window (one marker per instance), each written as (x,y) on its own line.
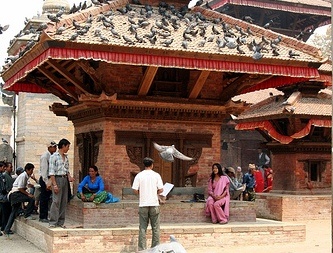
(314,171)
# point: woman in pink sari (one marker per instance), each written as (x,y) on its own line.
(217,204)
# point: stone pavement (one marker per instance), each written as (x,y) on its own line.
(318,240)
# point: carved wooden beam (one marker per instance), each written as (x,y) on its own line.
(77,83)
(54,91)
(57,82)
(91,72)
(147,80)
(199,84)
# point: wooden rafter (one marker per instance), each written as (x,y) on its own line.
(199,84)
(147,80)
(57,82)
(53,90)
(232,89)
(89,70)
(70,77)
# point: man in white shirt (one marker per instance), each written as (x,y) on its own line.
(19,195)
(148,184)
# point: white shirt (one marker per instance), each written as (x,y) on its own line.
(44,166)
(148,182)
(20,182)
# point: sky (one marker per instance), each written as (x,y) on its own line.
(13,13)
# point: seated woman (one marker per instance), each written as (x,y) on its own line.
(217,205)
(92,187)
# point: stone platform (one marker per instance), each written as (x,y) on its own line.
(113,228)
(175,211)
(291,207)
(124,239)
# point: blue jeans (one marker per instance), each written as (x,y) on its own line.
(146,214)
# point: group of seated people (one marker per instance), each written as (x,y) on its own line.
(243,186)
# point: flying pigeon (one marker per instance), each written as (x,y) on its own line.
(168,153)
(3,28)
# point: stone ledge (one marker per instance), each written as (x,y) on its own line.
(125,212)
(182,193)
(284,207)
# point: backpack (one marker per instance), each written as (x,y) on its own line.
(3,190)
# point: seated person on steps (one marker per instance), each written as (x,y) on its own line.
(92,187)
(235,187)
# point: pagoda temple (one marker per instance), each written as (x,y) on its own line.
(131,74)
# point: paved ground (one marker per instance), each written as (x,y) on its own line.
(318,240)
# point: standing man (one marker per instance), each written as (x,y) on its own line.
(45,188)
(60,178)
(263,159)
(148,184)
(19,195)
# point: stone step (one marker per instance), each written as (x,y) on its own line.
(114,240)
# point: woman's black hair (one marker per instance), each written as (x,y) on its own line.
(220,171)
(95,169)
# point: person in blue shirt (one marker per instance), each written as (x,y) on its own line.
(91,188)
(250,182)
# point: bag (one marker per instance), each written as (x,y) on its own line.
(3,189)
(198,197)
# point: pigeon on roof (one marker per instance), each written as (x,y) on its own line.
(168,153)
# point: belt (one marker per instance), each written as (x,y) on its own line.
(61,175)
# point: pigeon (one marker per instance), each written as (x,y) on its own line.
(172,246)
(240,50)
(299,36)
(248,19)
(53,18)
(61,29)
(275,52)
(3,28)
(268,25)
(96,2)
(292,54)
(168,153)
(60,12)
(167,43)
(4,141)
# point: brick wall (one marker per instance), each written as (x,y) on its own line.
(293,207)
(6,114)
(125,212)
(114,164)
(37,125)
(290,174)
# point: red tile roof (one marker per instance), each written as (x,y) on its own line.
(92,39)
(279,107)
